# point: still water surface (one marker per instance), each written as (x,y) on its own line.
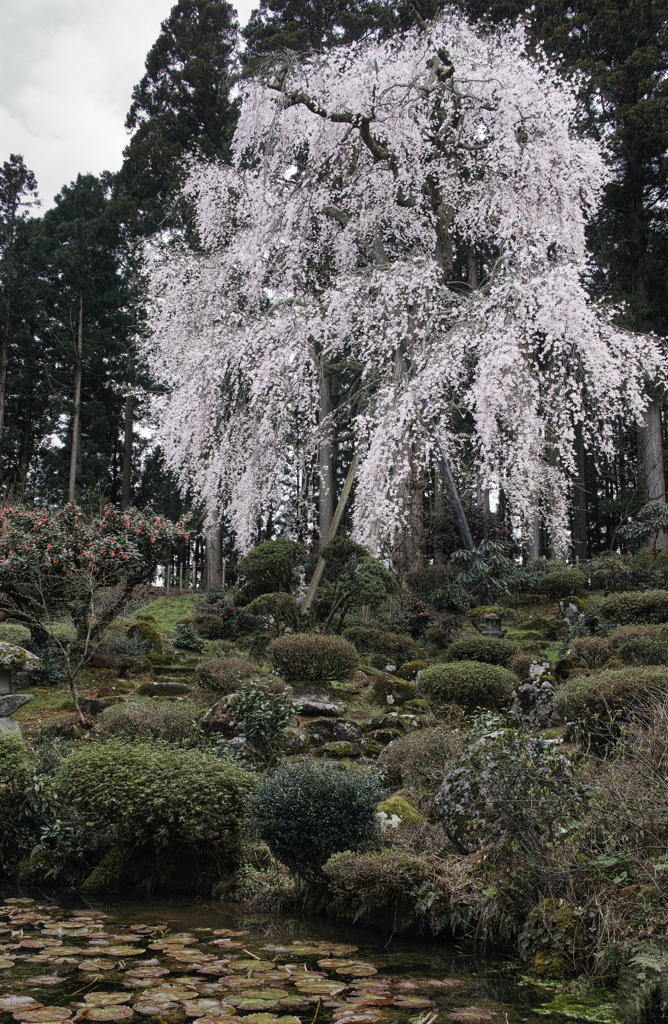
(180,960)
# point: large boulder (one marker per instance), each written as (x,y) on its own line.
(219,719)
(316,700)
(532,705)
(163,689)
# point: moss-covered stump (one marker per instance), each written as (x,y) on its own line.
(553,939)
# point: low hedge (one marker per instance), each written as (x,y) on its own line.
(174,723)
(158,795)
(311,656)
(562,583)
(225,674)
(595,702)
(630,607)
(395,646)
(487,649)
(468,683)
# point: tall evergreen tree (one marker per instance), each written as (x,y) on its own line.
(183,104)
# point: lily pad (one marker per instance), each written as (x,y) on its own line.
(256,1005)
(213,1019)
(357,970)
(106,998)
(320,988)
(292,1002)
(141,971)
(251,965)
(197,1007)
(5,965)
(123,951)
(96,965)
(215,967)
(470,1014)
(412,1002)
(345,1016)
(45,979)
(110,1013)
(269,1018)
(227,932)
(154,1009)
(42,1015)
(11,1003)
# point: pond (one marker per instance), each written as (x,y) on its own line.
(178,960)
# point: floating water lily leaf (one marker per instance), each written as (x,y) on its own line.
(154,1009)
(124,951)
(269,1018)
(173,992)
(331,965)
(215,967)
(345,1016)
(45,979)
(342,949)
(469,1014)
(22,901)
(256,1004)
(11,1003)
(96,965)
(110,1013)
(292,1002)
(263,993)
(107,998)
(303,950)
(197,1007)
(372,999)
(40,943)
(247,965)
(320,988)
(5,965)
(43,1015)
(357,970)
(412,1002)
(226,943)
(143,971)
(441,983)
(213,1019)
(238,983)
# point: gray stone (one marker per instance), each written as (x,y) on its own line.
(9,725)
(339,749)
(532,705)
(325,730)
(384,736)
(11,702)
(296,740)
(12,656)
(241,745)
(219,719)
(315,700)
(163,689)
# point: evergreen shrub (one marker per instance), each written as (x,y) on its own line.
(562,583)
(644,650)
(437,586)
(15,765)
(262,715)
(381,888)
(597,701)
(468,683)
(187,637)
(626,608)
(270,567)
(225,674)
(488,649)
(311,656)
(421,757)
(393,647)
(211,627)
(174,723)
(148,794)
(306,812)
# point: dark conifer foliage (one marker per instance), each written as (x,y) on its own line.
(182,105)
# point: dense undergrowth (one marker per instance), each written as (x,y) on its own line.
(418,803)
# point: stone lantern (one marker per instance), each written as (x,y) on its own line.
(14,659)
(492,623)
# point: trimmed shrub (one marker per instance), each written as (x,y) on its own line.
(507,787)
(216,649)
(394,647)
(307,812)
(469,683)
(644,650)
(422,756)
(562,583)
(410,669)
(211,627)
(270,567)
(15,766)
(596,702)
(148,794)
(625,608)
(225,674)
(175,723)
(276,610)
(379,888)
(310,656)
(262,715)
(187,637)
(488,649)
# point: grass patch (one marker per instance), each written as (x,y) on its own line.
(167,611)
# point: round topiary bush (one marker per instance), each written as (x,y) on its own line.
(310,656)
(562,583)
(507,787)
(626,608)
(175,723)
(225,674)
(469,683)
(211,627)
(307,812)
(598,701)
(488,649)
(393,647)
(158,795)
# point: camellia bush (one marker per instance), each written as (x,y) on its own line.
(66,564)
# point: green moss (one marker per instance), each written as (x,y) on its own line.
(400,806)
(146,631)
(37,868)
(598,1007)
(548,963)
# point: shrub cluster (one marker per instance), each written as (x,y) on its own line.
(310,656)
(422,756)
(437,585)
(262,715)
(644,650)
(468,683)
(563,583)
(211,627)
(158,795)
(225,674)
(625,608)
(174,723)
(307,812)
(394,647)
(14,761)
(187,637)
(488,649)
(596,702)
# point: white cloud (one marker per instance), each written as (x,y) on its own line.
(69,67)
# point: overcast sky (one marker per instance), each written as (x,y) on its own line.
(67,68)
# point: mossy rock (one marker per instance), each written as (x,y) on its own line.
(146,631)
(390,690)
(37,868)
(410,669)
(108,874)
(550,964)
(403,809)
(339,749)
(417,704)
(553,938)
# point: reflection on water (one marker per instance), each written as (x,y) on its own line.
(173,960)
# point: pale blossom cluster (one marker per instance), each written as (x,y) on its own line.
(358,176)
